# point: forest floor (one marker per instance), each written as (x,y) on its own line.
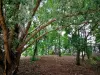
(54,65)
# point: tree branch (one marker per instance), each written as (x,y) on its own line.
(34,11)
(92,29)
(28,39)
(38,38)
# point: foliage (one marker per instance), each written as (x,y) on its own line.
(79,19)
(89,51)
(96,58)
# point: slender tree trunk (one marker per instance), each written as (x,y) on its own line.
(55,50)
(78,57)
(83,55)
(59,46)
(88,56)
(99,48)
(35,50)
(78,51)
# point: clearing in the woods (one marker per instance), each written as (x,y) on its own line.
(53,65)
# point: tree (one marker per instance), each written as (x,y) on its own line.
(14,31)
(19,23)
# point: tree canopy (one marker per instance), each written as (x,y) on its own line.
(40,27)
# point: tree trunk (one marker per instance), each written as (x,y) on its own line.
(11,69)
(99,48)
(55,50)
(78,51)
(78,57)
(59,53)
(35,51)
(83,55)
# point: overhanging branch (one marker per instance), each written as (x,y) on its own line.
(35,32)
(34,11)
(41,27)
(38,38)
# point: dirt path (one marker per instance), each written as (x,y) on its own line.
(53,65)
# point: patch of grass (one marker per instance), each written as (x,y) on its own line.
(94,60)
(91,61)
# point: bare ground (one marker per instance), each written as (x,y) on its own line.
(54,65)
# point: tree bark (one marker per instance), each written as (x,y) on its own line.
(35,50)
(83,55)
(59,53)
(78,50)
(78,57)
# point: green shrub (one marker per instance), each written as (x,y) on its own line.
(91,61)
(96,58)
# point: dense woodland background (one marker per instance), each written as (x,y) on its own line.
(48,27)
